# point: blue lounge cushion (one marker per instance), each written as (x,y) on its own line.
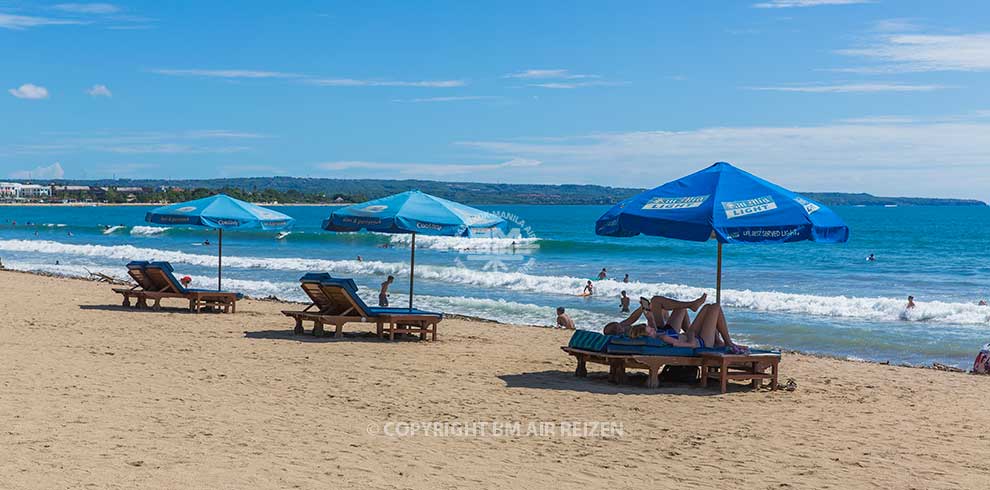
(315,277)
(137,264)
(751,351)
(350,287)
(165,266)
(647,346)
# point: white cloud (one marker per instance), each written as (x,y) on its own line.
(224,73)
(351,82)
(420,170)
(925,52)
(854,88)
(53,171)
(573,85)
(458,98)
(323,82)
(87,8)
(99,90)
(779,4)
(18,22)
(210,141)
(895,25)
(917,158)
(548,74)
(29,91)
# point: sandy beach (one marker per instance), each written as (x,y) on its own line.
(97,396)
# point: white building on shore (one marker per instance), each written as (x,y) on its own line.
(14,190)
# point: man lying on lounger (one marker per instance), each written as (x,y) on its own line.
(709,328)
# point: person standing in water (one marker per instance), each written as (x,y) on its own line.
(383,292)
(626,278)
(603,274)
(910,302)
(624,302)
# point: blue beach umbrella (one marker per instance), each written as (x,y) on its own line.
(729,204)
(414,212)
(220,212)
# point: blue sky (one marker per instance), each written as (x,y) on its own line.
(884,96)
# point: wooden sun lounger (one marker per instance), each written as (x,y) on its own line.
(335,305)
(154,284)
(713,364)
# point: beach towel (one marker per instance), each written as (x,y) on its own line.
(588,340)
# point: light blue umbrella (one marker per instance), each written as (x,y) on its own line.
(220,212)
(414,212)
(730,204)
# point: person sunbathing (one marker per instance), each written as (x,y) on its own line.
(708,329)
(655,311)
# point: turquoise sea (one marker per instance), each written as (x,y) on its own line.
(810,297)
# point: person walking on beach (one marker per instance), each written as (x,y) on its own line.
(603,274)
(624,302)
(383,292)
(563,319)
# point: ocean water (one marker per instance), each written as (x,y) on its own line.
(811,297)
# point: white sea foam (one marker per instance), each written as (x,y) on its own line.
(496,309)
(459,243)
(149,230)
(862,308)
(112,229)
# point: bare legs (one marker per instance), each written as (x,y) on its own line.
(709,325)
(677,318)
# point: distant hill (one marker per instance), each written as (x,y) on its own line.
(357,190)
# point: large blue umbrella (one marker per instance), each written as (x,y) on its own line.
(414,212)
(221,212)
(727,203)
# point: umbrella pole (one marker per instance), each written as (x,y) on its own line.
(718,279)
(412,270)
(219,258)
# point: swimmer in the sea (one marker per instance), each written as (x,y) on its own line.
(603,274)
(910,302)
(623,302)
(871,258)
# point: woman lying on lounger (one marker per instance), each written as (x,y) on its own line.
(709,328)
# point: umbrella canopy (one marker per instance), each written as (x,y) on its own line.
(414,212)
(728,203)
(220,212)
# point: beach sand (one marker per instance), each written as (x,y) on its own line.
(96,396)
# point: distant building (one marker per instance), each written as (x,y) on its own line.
(10,190)
(14,190)
(35,191)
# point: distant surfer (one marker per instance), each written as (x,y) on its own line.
(360,259)
(624,302)
(910,302)
(563,319)
(206,242)
(871,258)
(982,302)
(589,289)
(603,274)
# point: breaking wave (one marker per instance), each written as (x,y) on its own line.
(861,308)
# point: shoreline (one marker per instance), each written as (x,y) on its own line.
(934,366)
